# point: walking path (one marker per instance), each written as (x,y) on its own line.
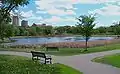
(81,62)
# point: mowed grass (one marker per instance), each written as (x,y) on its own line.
(76,51)
(70,51)
(113,60)
(21,65)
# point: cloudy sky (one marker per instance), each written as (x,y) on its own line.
(64,12)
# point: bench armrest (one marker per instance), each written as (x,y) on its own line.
(48,56)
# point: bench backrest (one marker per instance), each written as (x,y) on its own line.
(52,48)
(38,54)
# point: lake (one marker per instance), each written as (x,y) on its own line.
(45,40)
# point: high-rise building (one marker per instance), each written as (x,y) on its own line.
(24,23)
(15,20)
(1,2)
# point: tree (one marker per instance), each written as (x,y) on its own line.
(117,30)
(21,31)
(47,30)
(5,9)
(26,33)
(59,30)
(75,30)
(32,31)
(86,25)
(10,31)
(9,5)
(17,31)
(39,30)
(68,29)
(102,30)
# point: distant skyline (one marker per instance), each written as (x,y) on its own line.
(64,12)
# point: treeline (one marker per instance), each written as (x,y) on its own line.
(111,30)
(61,30)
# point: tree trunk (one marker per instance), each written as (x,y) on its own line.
(86,44)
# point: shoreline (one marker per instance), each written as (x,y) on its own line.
(65,36)
(70,44)
(82,44)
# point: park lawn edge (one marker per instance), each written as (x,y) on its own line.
(63,68)
(69,51)
(108,60)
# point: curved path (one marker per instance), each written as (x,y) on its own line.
(80,62)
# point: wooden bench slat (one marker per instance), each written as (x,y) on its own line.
(41,55)
(47,48)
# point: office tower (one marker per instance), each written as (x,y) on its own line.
(24,23)
(15,20)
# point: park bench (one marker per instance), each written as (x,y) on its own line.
(41,55)
(52,48)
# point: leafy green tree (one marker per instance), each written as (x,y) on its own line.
(5,9)
(60,30)
(17,31)
(102,30)
(47,30)
(96,32)
(26,33)
(86,25)
(10,31)
(39,30)
(117,30)
(75,30)
(32,31)
(21,29)
(9,5)
(68,29)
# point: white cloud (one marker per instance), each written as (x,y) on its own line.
(0,3)
(41,12)
(55,19)
(62,7)
(96,1)
(60,12)
(30,16)
(108,10)
(27,14)
(24,7)
(115,21)
(118,3)
(56,7)
(35,18)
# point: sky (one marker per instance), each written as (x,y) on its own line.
(64,12)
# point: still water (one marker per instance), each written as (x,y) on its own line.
(44,40)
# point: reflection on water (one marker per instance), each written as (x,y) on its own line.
(44,40)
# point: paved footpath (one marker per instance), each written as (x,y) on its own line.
(81,62)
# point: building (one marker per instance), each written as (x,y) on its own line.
(40,25)
(15,20)
(34,24)
(24,23)
(1,2)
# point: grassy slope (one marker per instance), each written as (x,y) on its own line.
(113,60)
(75,51)
(71,51)
(21,65)
(68,70)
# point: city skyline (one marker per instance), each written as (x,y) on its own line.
(61,12)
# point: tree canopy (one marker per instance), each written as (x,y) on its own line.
(86,25)
(6,7)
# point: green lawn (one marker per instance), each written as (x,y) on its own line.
(113,60)
(75,51)
(21,65)
(70,51)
